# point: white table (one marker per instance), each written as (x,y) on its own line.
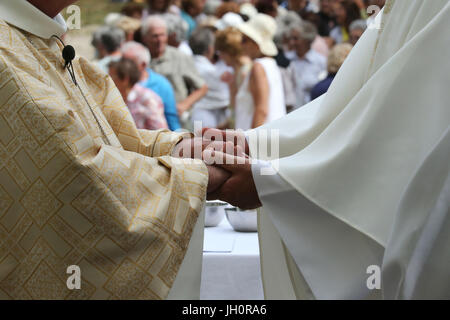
(231,267)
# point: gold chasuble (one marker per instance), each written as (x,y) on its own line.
(75,190)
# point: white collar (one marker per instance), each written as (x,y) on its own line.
(25,16)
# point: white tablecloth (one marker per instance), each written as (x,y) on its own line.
(231,267)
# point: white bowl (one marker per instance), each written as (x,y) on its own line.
(214,213)
(242,221)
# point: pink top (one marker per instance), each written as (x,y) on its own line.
(147,108)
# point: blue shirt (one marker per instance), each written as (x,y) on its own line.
(190,21)
(162,87)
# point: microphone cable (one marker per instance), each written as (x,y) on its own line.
(68,55)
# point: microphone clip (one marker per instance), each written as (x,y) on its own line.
(68,55)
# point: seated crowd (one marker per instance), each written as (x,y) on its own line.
(226,64)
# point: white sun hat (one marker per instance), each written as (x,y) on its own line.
(230,19)
(248,9)
(261,29)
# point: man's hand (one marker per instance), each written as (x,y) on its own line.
(193,148)
(182,107)
(236,138)
(216,178)
(195,96)
(239,190)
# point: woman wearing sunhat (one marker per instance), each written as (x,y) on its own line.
(260,98)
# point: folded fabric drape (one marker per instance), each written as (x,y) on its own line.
(360,151)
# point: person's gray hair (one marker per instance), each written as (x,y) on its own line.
(306,29)
(111,38)
(154,20)
(201,40)
(279,36)
(288,19)
(284,23)
(136,50)
(177,26)
(358,25)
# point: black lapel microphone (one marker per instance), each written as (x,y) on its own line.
(68,55)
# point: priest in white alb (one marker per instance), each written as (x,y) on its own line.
(360,188)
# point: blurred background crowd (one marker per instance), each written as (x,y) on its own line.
(228,64)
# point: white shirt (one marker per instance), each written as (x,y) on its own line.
(105,62)
(245,106)
(218,95)
(307,73)
(184,47)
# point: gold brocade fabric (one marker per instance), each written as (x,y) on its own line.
(123,212)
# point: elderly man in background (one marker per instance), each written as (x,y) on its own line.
(178,67)
(153,81)
(308,65)
(79,183)
(357,29)
(107,42)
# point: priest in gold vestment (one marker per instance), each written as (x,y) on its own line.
(79,183)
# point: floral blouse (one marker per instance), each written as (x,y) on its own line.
(147,108)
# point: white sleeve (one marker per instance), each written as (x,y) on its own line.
(268,184)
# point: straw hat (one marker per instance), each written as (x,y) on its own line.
(261,29)
(128,24)
(112,18)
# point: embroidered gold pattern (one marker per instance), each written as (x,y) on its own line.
(123,213)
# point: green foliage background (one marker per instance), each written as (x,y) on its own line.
(94,11)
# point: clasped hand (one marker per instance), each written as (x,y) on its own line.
(227,158)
